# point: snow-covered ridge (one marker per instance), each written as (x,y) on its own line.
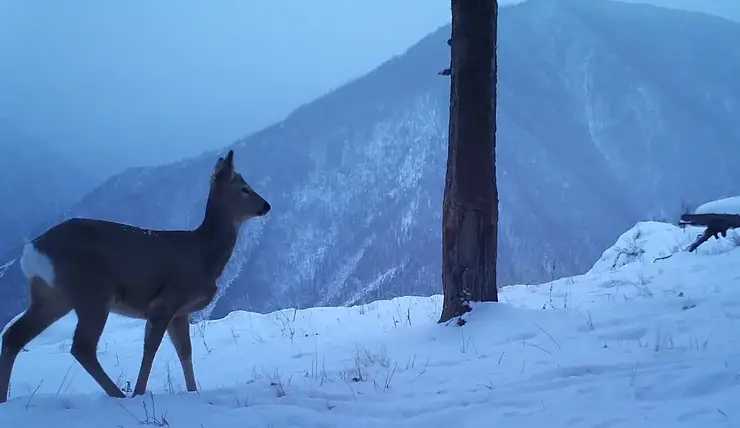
(729,205)
(649,242)
(634,342)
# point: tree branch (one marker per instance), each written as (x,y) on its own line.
(716,225)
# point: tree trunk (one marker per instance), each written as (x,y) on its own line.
(470,207)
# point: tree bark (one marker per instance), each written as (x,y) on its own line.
(470,206)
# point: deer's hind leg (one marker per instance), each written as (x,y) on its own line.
(91,318)
(47,306)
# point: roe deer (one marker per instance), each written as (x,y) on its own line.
(96,267)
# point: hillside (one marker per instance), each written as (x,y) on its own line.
(35,184)
(607,112)
(629,344)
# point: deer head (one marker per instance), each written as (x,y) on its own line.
(232,195)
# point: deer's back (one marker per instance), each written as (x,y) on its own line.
(123,260)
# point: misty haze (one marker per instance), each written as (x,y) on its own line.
(143,83)
(275,173)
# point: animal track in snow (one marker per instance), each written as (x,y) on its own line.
(633,333)
(680,386)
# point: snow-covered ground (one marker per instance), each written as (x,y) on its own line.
(632,343)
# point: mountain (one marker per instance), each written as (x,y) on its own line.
(36,184)
(609,113)
(188,91)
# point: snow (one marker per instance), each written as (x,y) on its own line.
(729,205)
(632,343)
(4,267)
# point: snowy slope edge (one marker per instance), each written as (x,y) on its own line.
(631,343)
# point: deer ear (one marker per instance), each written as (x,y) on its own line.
(229,161)
(224,169)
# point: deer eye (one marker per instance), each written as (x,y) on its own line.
(246,191)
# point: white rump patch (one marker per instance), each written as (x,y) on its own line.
(35,263)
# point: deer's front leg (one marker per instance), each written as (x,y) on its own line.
(179,331)
(160,314)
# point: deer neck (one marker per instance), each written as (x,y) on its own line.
(217,235)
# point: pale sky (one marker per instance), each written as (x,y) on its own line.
(143,81)
(170,78)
